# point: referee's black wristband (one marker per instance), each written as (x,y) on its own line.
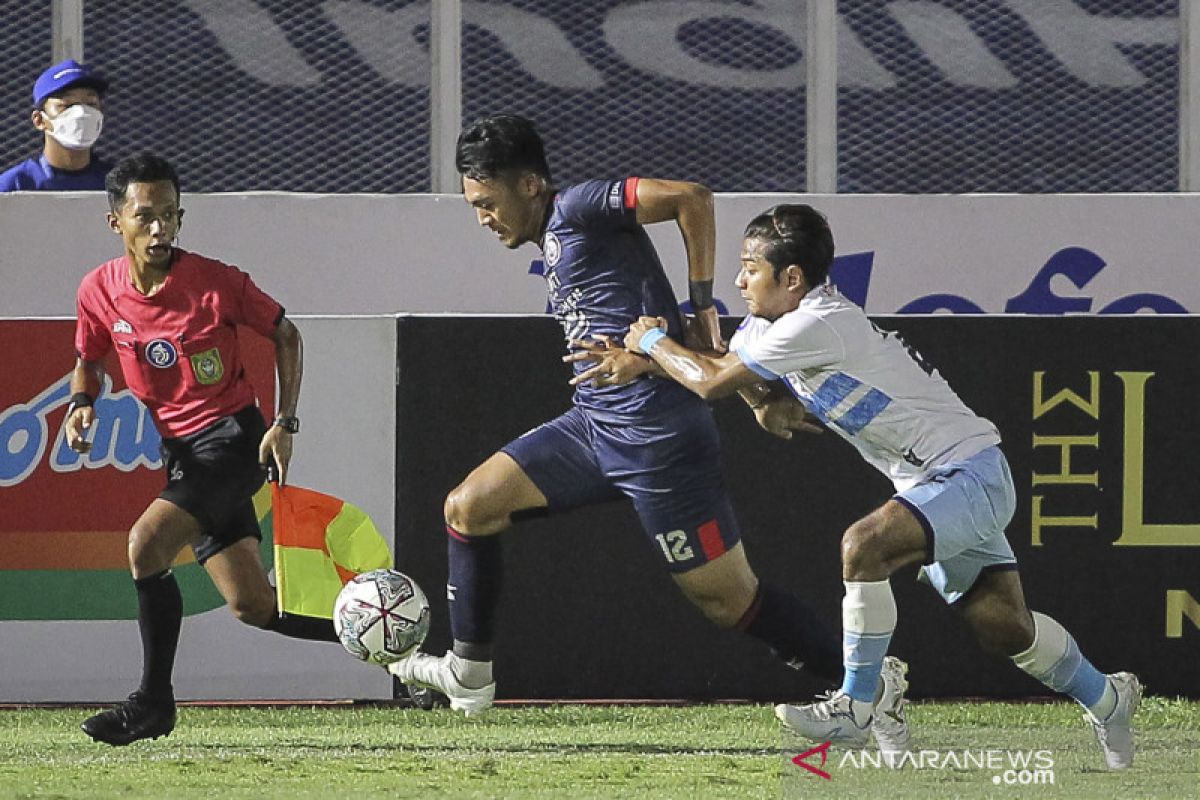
(701,294)
(80,400)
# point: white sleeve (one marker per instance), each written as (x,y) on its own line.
(795,341)
(739,337)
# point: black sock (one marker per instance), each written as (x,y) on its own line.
(794,632)
(298,626)
(473,587)
(160,614)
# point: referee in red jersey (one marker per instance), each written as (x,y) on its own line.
(172,317)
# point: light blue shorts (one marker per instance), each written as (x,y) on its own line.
(964,507)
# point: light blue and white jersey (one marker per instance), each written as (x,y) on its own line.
(866,384)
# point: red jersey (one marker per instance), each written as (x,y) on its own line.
(178,347)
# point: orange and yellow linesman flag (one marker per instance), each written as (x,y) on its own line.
(320,543)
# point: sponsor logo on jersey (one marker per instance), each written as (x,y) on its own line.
(552,249)
(207,366)
(121,326)
(161,353)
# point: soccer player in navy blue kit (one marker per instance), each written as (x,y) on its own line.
(651,440)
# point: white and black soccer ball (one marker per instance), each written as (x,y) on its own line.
(381,616)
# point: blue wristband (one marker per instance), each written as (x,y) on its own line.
(650,338)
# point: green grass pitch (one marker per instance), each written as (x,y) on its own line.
(576,751)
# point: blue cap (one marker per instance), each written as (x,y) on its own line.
(65,75)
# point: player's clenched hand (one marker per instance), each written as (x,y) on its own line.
(783,416)
(276,448)
(703,331)
(639,329)
(614,365)
(78,424)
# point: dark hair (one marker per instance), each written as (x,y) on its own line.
(795,234)
(501,144)
(142,168)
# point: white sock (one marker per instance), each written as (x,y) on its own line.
(868,619)
(1106,704)
(861,711)
(1055,660)
(471,674)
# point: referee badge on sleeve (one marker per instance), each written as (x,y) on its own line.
(207,366)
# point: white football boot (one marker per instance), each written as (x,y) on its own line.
(889,724)
(1115,732)
(423,669)
(830,719)
(833,718)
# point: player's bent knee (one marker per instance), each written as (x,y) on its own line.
(722,589)
(724,608)
(860,546)
(723,612)
(146,557)
(254,610)
(473,511)
(874,547)
(457,510)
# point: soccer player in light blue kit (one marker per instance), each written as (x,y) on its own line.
(649,439)
(805,345)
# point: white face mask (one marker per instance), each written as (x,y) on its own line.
(78,127)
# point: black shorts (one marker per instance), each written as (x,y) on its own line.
(213,474)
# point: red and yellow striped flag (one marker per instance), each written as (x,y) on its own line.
(320,543)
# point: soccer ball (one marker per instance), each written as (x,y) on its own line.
(381,616)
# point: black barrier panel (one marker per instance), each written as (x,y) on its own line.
(1097,416)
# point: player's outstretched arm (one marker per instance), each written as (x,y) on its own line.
(690,205)
(710,376)
(86,379)
(276,444)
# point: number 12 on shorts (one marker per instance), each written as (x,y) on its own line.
(675,546)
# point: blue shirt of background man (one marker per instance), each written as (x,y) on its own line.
(602,273)
(36,174)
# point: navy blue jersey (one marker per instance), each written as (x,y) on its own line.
(37,174)
(603,273)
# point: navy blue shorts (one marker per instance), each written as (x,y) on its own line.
(669,466)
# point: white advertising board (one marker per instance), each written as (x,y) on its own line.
(380,254)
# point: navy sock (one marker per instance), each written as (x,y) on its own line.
(794,632)
(160,615)
(299,626)
(473,588)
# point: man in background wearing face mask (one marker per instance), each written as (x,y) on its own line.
(66,100)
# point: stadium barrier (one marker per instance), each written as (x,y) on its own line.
(67,602)
(1095,415)
(383,254)
(1094,412)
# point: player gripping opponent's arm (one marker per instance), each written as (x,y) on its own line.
(714,376)
(614,365)
(690,206)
